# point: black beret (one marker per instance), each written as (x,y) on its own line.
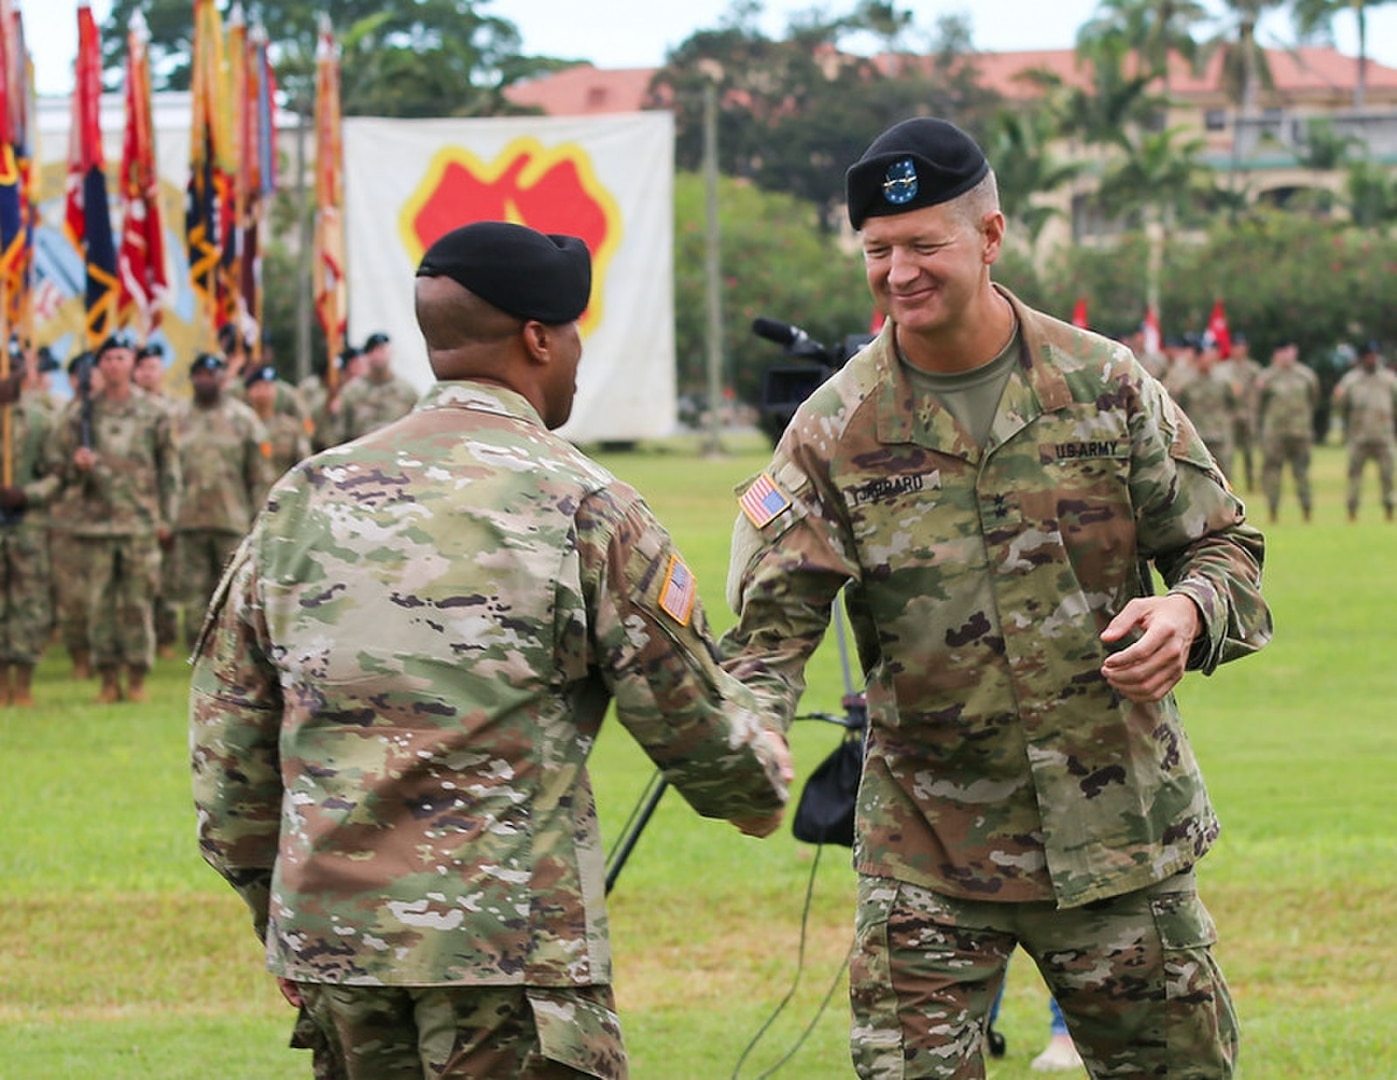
(919,162)
(47,361)
(77,362)
(347,354)
(119,340)
(154,348)
(1371,347)
(263,373)
(374,340)
(207,361)
(522,272)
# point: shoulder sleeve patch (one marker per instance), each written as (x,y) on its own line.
(679,591)
(763,500)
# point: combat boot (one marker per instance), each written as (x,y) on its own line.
(110,693)
(136,684)
(82,664)
(22,694)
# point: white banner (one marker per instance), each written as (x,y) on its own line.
(606,179)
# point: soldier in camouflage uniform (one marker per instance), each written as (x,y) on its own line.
(128,482)
(225,460)
(991,484)
(1287,394)
(401,679)
(68,576)
(26,605)
(1365,399)
(375,398)
(1242,371)
(286,435)
(1212,402)
(149,374)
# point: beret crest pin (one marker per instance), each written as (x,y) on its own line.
(900,182)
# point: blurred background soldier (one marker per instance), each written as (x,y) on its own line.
(149,375)
(38,381)
(1211,402)
(68,580)
(26,606)
(225,460)
(1287,394)
(287,438)
(324,409)
(118,451)
(379,397)
(1365,401)
(1242,371)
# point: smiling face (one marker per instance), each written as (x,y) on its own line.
(928,268)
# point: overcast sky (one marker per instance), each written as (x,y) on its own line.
(636,33)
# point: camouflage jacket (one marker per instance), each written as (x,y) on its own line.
(134,488)
(1286,401)
(1000,765)
(225,460)
(400,681)
(1366,401)
(1212,402)
(366,405)
(29,434)
(290,443)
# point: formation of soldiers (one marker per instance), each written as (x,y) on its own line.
(1245,411)
(120,506)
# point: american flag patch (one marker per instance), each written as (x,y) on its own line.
(763,500)
(679,591)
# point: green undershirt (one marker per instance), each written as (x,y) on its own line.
(972,397)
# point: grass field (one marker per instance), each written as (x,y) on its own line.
(122,956)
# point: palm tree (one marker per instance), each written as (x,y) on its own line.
(1311,16)
(1245,70)
(1154,30)
(1157,175)
(1018,143)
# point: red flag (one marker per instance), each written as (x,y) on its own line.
(1217,327)
(141,258)
(1153,340)
(86,216)
(328,266)
(1079,313)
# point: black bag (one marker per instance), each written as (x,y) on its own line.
(825,812)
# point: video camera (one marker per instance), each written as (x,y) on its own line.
(786,385)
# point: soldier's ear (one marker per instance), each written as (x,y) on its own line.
(535,336)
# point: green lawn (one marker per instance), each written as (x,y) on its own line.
(125,957)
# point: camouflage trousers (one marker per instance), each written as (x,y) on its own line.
(199,558)
(123,574)
(1359,454)
(26,608)
(460,1032)
(1276,452)
(1134,976)
(69,590)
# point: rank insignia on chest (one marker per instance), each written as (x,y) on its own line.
(678,593)
(763,501)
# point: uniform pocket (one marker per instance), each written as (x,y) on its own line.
(578,1027)
(1200,1020)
